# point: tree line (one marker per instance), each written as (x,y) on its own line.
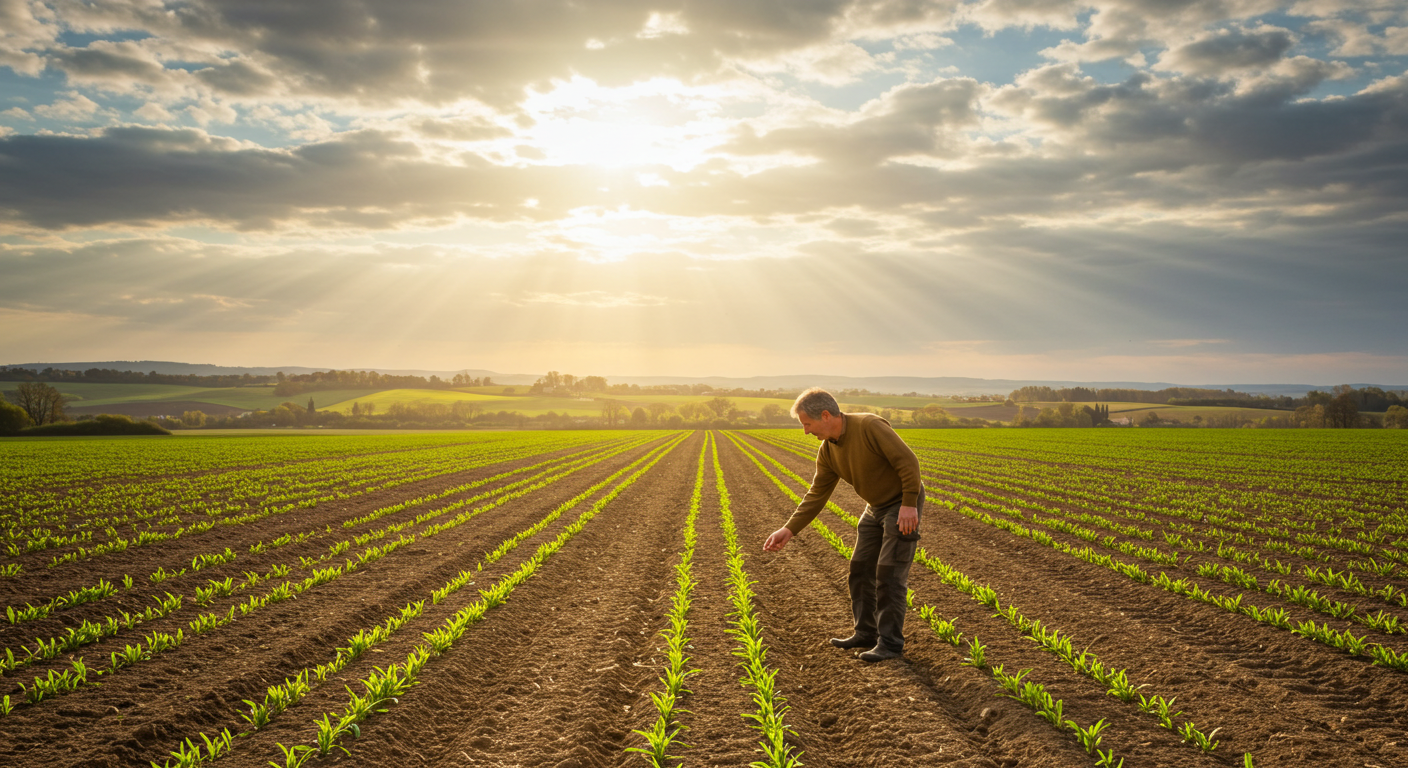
(1043,394)
(109,376)
(318,381)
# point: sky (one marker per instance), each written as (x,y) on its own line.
(1190,191)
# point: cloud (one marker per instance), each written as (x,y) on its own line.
(596,299)
(1226,51)
(73,108)
(155,176)
(1120,29)
(1185,343)
(907,120)
(995,15)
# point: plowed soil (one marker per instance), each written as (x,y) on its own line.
(560,675)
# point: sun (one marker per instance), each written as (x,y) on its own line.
(661,122)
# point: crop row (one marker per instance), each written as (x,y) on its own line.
(1032,694)
(665,729)
(972,497)
(332,727)
(165,509)
(90,632)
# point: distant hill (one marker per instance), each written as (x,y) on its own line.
(935,385)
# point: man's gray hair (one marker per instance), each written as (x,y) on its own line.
(813,402)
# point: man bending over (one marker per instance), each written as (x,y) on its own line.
(863,450)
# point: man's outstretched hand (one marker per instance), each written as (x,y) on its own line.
(777,540)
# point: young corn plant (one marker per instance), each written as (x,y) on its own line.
(664,731)
(1190,733)
(771,708)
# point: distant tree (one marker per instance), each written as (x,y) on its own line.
(1311,416)
(312,410)
(508,390)
(773,414)
(1396,417)
(464,410)
(720,406)
(931,415)
(41,403)
(193,419)
(612,412)
(593,384)
(694,411)
(1343,411)
(657,410)
(356,409)
(639,418)
(675,421)
(13,418)
(488,382)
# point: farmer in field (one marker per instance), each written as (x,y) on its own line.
(863,450)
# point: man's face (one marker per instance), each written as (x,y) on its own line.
(827,427)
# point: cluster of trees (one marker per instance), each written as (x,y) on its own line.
(566,385)
(40,403)
(1065,414)
(1373,399)
(286,385)
(38,409)
(1088,395)
(108,376)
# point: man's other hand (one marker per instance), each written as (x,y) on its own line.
(777,540)
(908,520)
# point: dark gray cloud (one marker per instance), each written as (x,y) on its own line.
(382,51)
(1225,51)
(367,179)
(911,120)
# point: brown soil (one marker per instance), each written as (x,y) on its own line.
(561,674)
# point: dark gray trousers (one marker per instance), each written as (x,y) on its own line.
(880,574)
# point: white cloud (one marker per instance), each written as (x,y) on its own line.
(73,107)
(153,112)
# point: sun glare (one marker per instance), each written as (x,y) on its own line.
(659,122)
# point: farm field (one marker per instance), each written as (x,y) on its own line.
(560,599)
(140,399)
(1118,410)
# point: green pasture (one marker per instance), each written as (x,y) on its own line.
(105,394)
(252,398)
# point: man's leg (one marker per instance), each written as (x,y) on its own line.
(892,581)
(870,534)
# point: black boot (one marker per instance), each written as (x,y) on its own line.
(880,652)
(854,641)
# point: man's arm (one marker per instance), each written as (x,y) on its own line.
(823,483)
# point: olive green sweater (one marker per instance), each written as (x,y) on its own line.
(869,456)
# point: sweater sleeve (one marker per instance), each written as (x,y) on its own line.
(823,483)
(902,458)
